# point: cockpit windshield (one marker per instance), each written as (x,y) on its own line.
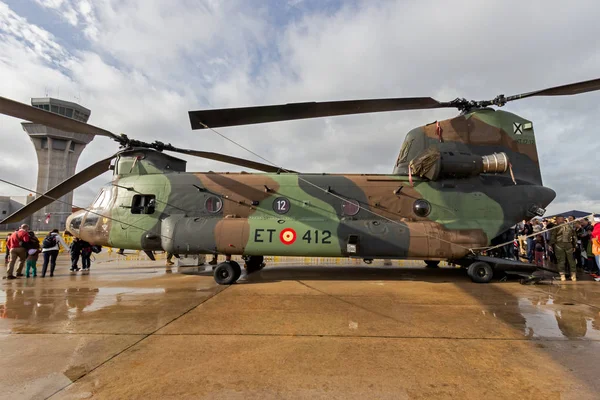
(103,199)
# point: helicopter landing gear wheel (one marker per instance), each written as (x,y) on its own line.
(480,272)
(227,273)
(432,263)
(254,263)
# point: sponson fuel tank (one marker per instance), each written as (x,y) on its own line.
(325,238)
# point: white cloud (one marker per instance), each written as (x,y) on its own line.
(147,62)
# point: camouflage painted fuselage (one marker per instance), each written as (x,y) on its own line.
(319,214)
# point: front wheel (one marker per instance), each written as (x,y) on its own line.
(480,272)
(227,273)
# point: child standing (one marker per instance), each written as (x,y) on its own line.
(33,254)
(86,254)
(540,249)
(75,253)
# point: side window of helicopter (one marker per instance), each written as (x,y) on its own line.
(350,207)
(213,204)
(143,204)
(422,208)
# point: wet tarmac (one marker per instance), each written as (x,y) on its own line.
(130,330)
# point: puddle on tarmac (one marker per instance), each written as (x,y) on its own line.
(546,319)
(38,304)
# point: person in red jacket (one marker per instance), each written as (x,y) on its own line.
(596,241)
(17,244)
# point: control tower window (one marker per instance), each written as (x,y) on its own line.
(143,204)
(59,144)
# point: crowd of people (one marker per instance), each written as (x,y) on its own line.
(572,245)
(24,247)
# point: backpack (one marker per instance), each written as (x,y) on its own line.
(34,243)
(49,242)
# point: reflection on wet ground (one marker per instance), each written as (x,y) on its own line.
(545,319)
(119,311)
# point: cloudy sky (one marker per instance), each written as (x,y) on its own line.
(140,65)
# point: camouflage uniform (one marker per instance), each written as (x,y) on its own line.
(563,241)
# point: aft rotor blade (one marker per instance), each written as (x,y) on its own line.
(60,190)
(564,90)
(284,112)
(39,116)
(242,162)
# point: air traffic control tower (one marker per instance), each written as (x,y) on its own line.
(57,154)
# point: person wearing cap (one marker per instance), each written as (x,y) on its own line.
(563,241)
(17,244)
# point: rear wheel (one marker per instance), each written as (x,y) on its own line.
(480,272)
(432,263)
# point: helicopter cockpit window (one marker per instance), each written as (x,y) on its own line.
(91,219)
(103,199)
(99,198)
(76,222)
(143,204)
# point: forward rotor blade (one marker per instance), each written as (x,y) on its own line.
(242,162)
(60,190)
(39,116)
(284,112)
(564,90)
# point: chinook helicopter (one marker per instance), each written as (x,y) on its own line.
(457,185)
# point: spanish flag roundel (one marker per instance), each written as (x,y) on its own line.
(287,236)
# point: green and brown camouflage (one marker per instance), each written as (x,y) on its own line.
(153,204)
